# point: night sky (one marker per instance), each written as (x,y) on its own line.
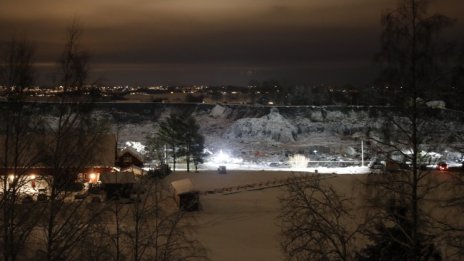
(214,42)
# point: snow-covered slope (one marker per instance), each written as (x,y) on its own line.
(270,127)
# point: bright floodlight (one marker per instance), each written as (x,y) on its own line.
(222,157)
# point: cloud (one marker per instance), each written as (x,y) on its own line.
(248,33)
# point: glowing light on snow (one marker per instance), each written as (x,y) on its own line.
(298,161)
(222,157)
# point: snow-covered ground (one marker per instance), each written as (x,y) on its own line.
(240,226)
(245,225)
(256,167)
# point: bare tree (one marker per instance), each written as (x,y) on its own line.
(16,68)
(453,205)
(73,62)
(316,221)
(151,227)
(73,140)
(96,243)
(413,60)
(452,225)
(18,155)
(118,214)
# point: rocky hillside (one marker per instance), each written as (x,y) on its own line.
(252,130)
(256,130)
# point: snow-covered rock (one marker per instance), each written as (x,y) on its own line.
(218,111)
(272,126)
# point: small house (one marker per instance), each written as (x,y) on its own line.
(187,198)
(129,157)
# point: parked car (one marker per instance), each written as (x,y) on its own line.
(442,166)
(222,170)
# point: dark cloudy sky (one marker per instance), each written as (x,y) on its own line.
(211,41)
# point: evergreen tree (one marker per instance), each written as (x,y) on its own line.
(181,134)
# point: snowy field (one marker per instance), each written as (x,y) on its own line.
(265,167)
(243,225)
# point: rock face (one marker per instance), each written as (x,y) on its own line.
(271,127)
